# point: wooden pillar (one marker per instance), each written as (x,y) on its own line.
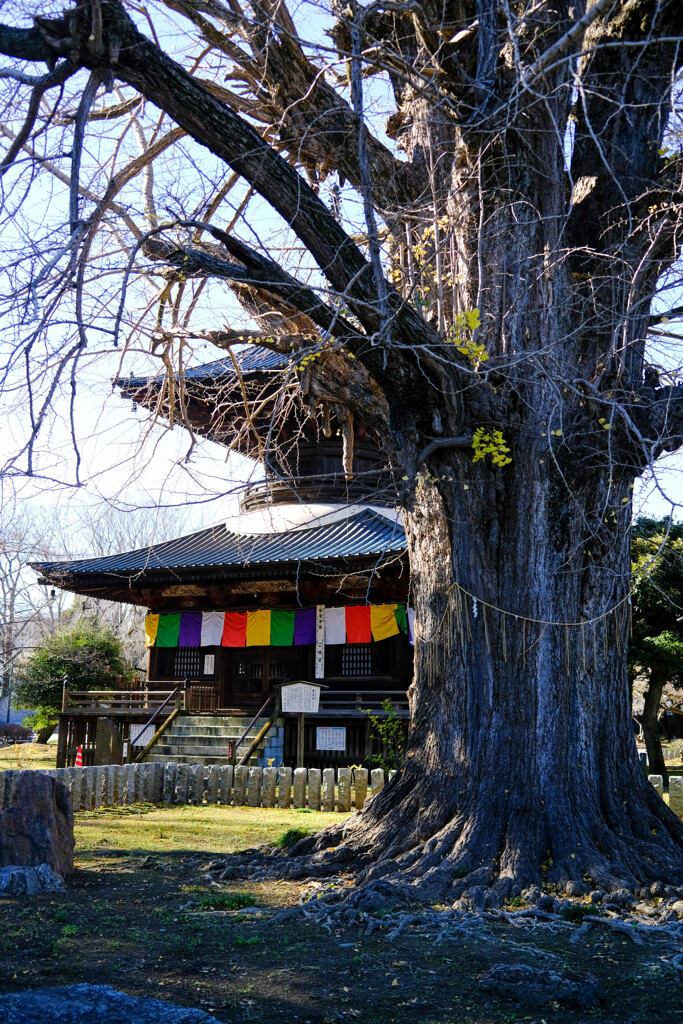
(300,727)
(61,741)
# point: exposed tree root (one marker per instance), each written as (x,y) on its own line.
(480,868)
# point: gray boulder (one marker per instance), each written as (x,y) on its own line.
(73,1004)
(531,986)
(19,881)
(38,826)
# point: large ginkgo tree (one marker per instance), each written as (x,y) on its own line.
(487,323)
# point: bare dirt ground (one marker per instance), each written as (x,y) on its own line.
(142,914)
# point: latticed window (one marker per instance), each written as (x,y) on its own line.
(356,660)
(284,671)
(249,676)
(187,662)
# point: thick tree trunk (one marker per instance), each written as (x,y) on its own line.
(653,742)
(522,764)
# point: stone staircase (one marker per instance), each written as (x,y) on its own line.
(202,739)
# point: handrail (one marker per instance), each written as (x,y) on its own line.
(261,734)
(149,722)
(157,735)
(246,731)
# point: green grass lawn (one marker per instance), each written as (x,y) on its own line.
(142,914)
(208,829)
(37,756)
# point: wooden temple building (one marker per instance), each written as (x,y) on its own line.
(308,582)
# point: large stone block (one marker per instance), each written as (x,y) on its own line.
(676,794)
(76,789)
(88,788)
(157,784)
(377,780)
(254,787)
(197,784)
(108,743)
(360,785)
(182,784)
(4,799)
(119,785)
(284,778)
(38,826)
(344,776)
(170,770)
(299,788)
(268,787)
(139,783)
(240,792)
(110,785)
(130,784)
(18,881)
(314,782)
(212,786)
(225,784)
(328,789)
(74,1004)
(100,787)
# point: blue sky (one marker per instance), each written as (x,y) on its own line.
(122,458)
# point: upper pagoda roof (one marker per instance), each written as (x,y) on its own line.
(250,359)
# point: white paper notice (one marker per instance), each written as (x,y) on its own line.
(330,739)
(299,697)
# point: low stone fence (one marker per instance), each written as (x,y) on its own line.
(319,790)
(675,791)
(120,785)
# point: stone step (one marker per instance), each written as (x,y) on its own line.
(203,748)
(225,728)
(215,742)
(171,752)
(204,739)
(202,721)
(218,736)
(195,759)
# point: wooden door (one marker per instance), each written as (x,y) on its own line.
(254,672)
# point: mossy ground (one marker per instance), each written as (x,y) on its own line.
(140,914)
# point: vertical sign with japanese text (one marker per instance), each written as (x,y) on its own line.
(320,641)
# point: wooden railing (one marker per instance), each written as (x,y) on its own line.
(340,701)
(113,700)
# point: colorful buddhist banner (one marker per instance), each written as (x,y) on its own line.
(258,629)
(169,630)
(212,629)
(151,629)
(190,629)
(235,630)
(335,626)
(304,626)
(357,624)
(281,629)
(383,621)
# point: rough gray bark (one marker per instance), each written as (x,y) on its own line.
(522,763)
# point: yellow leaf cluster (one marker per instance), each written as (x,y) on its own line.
(461,335)
(491,444)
